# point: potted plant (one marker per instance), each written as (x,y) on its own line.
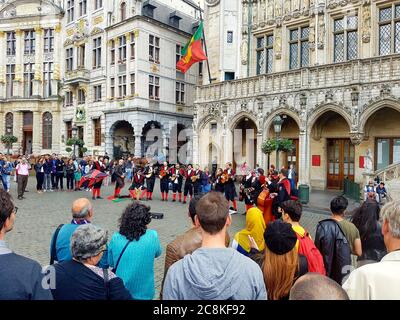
(268,147)
(8,141)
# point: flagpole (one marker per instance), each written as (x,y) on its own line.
(205,45)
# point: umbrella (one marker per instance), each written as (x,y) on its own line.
(93,177)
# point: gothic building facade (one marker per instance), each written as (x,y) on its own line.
(330,69)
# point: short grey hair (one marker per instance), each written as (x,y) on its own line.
(83,212)
(88,241)
(391,213)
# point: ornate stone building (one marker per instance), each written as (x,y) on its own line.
(30,60)
(330,69)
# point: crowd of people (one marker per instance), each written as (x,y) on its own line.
(272,258)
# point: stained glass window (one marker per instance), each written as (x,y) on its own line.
(345,39)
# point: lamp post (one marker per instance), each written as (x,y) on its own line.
(277,128)
(74,136)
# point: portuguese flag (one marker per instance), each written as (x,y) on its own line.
(192,52)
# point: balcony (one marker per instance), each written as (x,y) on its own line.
(78,76)
(355,72)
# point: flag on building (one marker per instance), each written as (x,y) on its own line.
(193,51)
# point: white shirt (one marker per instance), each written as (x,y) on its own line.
(376,281)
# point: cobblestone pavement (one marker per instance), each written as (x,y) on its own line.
(40,214)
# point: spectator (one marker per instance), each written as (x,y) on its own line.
(292,176)
(79,278)
(255,227)
(133,249)
(82,213)
(332,240)
(380,281)
(47,167)
(370,191)
(186,243)
(70,171)
(23,173)
(214,272)
(20,277)
(280,262)
(7,170)
(282,194)
(60,168)
(381,192)
(314,286)
(39,175)
(366,219)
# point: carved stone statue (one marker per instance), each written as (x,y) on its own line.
(270,10)
(254,13)
(368,161)
(287,9)
(263,9)
(295,5)
(366,24)
(311,36)
(321,31)
(278,8)
(278,43)
(245,13)
(244,50)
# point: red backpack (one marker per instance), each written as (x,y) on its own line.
(314,258)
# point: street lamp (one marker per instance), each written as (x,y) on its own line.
(278,121)
(74,131)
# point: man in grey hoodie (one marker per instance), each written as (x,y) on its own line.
(214,272)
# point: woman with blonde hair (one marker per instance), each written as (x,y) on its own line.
(280,262)
(255,227)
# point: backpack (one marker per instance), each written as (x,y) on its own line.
(314,258)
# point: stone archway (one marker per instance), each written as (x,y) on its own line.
(123,137)
(152,139)
(244,142)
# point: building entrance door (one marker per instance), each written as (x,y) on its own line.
(340,162)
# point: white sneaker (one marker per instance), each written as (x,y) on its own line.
(44,190)
(51,190)
(232,212)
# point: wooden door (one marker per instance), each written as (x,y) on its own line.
(340,162)
(293,157)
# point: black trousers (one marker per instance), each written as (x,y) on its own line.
(188,189)
(39,180)
(177,187)
(70,181)
(53,180)
(60,180)
(196,188)
(164,185)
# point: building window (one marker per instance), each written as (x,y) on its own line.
(98,4)
(96,53)
(132,45)
(47,130)
(69,59)
(298,48)
(69,99)
(81,96)
(29,42)
(112,87)
(29,74)
(388,152)
(180,93)
(123,11)
(68,129)
(112,51)
(201,68)
(345,38)
(213,127)
(81,56)
(10,77)
(122,86)
(48,40)
(132,84)
(82,7)
(154,87)
(265,54)
(9,124)
(11,43)
(47,76)
(70,10)
(154,49)
(229,37)
(229,76)
(389,30)
(97,132)
(122,49)
(178,52)
(97,93)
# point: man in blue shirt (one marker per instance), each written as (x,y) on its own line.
(82,213)
(21,278)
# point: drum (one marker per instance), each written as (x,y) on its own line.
(264,203)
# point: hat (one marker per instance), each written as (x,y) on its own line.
(279,237)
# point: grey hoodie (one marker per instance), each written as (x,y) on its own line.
(215,274)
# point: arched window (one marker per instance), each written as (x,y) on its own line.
(47,130)
(9,124)
(123,11)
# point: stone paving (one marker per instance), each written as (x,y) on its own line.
(40,214)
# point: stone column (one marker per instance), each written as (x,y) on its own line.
(37,81)
(196,145)
(228,147)
(19,51)
(37,126)
(56,59)
(2,65)
(304,158)
(259,154)
(138,144)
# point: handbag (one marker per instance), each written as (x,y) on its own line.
(114,270)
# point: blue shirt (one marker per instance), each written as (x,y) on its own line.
(136,267)
(63,245)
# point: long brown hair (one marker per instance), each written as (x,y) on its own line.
(279,272)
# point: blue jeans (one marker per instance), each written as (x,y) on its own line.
(128,173)
(6,178)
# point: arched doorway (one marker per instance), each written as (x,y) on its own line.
(123,139)
(213,158)
(289,130)
(333,154)
(245,143)
(151,140)
(383,137)
(177,139)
